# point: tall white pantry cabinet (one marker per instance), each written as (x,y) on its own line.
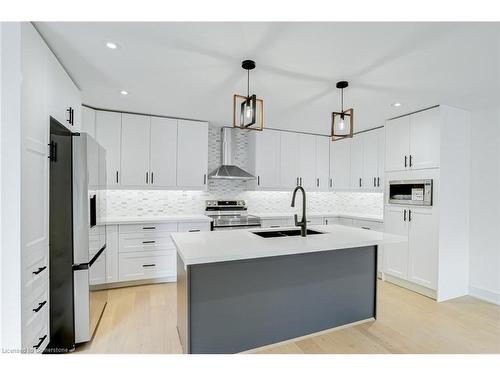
(430,144)
(38,88)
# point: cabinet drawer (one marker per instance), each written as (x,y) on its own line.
(38,339)
(35,278)
(147,265)
(35,320)
(194,227)
(148,228)
(145,242)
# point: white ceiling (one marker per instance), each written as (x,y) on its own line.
(192,69)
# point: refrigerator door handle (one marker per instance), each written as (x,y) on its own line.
(86,266)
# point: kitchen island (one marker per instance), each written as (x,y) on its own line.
(237,290)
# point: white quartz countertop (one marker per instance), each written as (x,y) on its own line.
(222,246)
(154,219)
(349,215)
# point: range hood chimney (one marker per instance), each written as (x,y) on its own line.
(228,171)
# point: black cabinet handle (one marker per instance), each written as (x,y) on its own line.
(149,265)
(409,215)
(70,117)
(331,182)
(116,176)
(204,179)
(360,182)
(366,228)
(152,178)
(40,305)
(42,339)
(147,175)
(410,160)
(404,215)
(258,180)
(300,181)
(378,181)
(148,241)
(297,181)
(193,230)
(317,182)
(406,158)
(40,269)
(148,227)
(274,226)
(374,181)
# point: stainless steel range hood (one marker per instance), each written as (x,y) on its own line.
(227,170)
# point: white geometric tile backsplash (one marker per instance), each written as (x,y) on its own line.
(170,202)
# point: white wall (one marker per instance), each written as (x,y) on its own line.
(485,205)
(10,194)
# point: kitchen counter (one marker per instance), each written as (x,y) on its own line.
(221,246)
(155,219)
(349,215)
(237,291)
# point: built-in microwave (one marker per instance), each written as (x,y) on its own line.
(411,192)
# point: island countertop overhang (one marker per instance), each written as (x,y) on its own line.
(223,246)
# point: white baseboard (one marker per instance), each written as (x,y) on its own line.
(410,285)
(485,295)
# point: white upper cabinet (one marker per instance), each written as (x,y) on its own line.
(357,177)
(88,121)
(289,160)
(307,161)
(340,164)
(413,141)
(370,160)
(108,134)
(424,139)
(163,153)
(397,144)
(322,163)
(267,159)
(63,97)
(135,150)
(381,158)
(192,154)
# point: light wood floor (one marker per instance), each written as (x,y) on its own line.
(142,319)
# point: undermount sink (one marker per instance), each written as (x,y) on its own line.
(284,233)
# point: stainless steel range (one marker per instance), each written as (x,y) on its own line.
(228,215)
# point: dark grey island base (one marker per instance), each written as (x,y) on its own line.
(234,306)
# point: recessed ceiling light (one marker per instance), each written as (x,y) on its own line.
(397,104)
(111,45)
(123,92)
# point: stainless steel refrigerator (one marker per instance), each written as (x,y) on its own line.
(77,239)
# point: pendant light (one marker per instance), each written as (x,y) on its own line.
(248,111)
(342,122)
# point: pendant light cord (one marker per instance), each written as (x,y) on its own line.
(248,83)
(342,101)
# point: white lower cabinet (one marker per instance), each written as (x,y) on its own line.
(416,260)
(136,252)
(147,265)
(423,243)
